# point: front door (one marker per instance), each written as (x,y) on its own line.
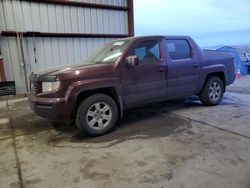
(144,83)
(183,68)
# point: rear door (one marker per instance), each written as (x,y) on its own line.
(145,82)
(183,67)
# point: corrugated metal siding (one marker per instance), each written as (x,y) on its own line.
(106,2)
(53,52)
(30,16)
(42,53)
(12,62)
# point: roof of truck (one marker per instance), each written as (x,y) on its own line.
(158,36)
(161,36)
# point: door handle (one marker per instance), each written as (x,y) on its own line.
(161,70)
(195,65)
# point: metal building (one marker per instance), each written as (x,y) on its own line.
(39,34)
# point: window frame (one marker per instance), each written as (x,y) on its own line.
(161,49)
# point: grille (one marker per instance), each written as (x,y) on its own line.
(34,87)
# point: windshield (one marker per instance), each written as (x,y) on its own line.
(109,53)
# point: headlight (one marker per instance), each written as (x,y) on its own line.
(50,86)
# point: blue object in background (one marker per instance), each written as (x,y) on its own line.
(240,61)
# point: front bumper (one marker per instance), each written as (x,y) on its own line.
(56,109)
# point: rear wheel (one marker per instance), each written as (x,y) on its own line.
(213,91)
(97,115)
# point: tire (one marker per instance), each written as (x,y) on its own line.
(212,92)
(97,115)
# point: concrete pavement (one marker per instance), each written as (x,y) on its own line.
(177,144)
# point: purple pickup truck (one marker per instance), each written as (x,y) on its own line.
(127,73)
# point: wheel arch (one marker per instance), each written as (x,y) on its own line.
(219,74)
(110,91)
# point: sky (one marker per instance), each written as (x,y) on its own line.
(209,22)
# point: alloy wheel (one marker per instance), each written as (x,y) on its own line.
(99,115)
(215,91)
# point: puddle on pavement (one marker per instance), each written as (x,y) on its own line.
(24,120)
(152,127)
(141,123)
(155,120)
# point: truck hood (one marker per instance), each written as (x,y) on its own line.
(66,69)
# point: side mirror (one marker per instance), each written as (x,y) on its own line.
(132,60)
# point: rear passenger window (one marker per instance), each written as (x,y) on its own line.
(178,49)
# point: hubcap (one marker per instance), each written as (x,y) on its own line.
(215,91)
(99,115)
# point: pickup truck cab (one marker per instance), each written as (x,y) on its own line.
(128,73)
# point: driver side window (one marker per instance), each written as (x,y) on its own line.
(148,52)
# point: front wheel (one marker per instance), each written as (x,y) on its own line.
(213,91)
(97,115)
